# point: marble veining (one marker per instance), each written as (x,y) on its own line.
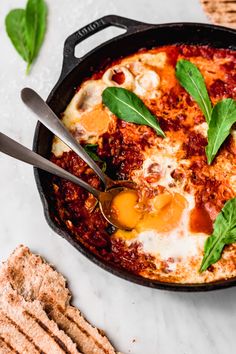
(137,320)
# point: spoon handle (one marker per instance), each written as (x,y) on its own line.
(48,118)
(10,147)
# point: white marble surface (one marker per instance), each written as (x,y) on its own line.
(138,320)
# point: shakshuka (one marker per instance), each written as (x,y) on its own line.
(182,194)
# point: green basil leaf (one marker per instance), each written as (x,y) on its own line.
(36,13)
(224,233)
(91,147)
(192,80)
(26,29)
(129,107)
(91,150)
(15,27)
(222,118)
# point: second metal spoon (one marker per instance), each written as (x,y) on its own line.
(12,148)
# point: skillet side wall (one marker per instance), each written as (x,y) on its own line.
(141,36)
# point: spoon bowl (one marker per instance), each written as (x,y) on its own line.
(105,203)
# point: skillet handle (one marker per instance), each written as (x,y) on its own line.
(69,59)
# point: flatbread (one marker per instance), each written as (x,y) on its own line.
(221,12)
(26,328)
(35,281)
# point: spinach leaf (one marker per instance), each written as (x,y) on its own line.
(224,233)
(129,107)
(15,27)
(222,118)
(36,13)
(26,29)
(192,80)
(91,150)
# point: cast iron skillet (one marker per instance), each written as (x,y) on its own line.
(74,70)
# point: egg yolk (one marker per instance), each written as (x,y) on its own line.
(124,208)
(167,213)
(166,217)
(95,121)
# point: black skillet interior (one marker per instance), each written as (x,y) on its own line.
(138,35)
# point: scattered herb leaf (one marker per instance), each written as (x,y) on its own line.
(129,107)
(26,29)
(36,13)
(91,150)
(224,233)
(222,118)
(16,30)
(192,80)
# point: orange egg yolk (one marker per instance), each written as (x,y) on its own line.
(125,210)
(167,214)
(95,121)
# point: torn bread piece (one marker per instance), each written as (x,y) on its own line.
(34,279)
(26,327)
(222,12)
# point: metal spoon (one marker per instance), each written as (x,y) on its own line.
(48,118)
(12,148)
